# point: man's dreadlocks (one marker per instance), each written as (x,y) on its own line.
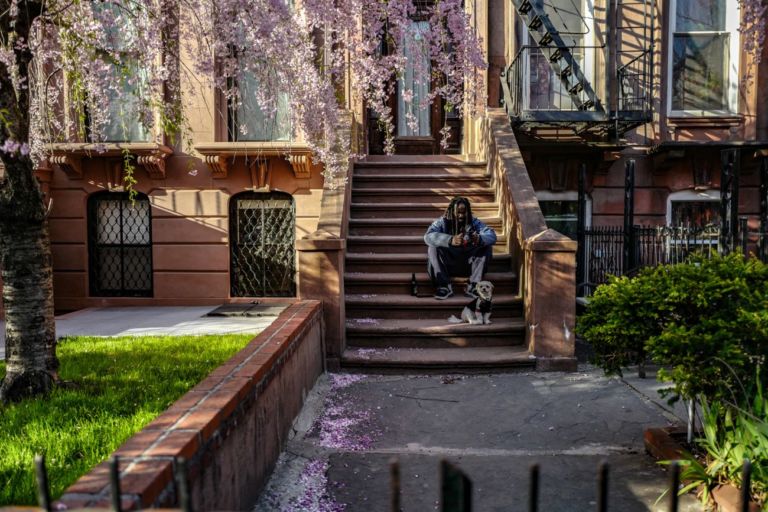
(452,218)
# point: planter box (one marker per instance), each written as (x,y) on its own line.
(662,443)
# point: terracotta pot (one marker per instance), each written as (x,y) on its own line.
(728,499)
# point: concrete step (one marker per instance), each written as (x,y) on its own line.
(466,360)
(380,283)
(402,244)
(413,209)
(404,226)
(420,195)
(410,262)
(434,333)
(410,162)
(460,183)
(405,306)
(435,169)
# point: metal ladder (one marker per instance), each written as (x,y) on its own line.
(559,55)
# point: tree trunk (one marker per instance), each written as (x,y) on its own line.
(30,339)
(25,248)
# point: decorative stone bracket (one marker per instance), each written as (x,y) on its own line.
(220,155)
(149,156)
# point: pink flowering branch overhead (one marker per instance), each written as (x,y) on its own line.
(97,63)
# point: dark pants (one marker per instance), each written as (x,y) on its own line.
(446,262)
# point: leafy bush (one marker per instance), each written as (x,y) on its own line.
(622,316)
(705,322)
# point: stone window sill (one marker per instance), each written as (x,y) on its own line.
(219,155)
(684,121)
(149,155)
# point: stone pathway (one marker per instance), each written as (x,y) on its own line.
(151,321)
(492,426)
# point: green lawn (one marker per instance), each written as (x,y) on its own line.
(118,385)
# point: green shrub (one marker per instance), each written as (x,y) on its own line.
(705,322)
(620,319)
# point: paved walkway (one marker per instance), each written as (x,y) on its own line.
(492,426)
(150,321)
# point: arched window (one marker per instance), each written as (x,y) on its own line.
(119,245)
(262,229)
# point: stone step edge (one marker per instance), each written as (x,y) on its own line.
(420,163)
(412,190)
(421,277)
(436,358)
(405,239)
(406,257)
(416,206)
(400,300)
(419,221)
(409,178)
(394,327)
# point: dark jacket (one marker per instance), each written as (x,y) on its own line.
(439,233)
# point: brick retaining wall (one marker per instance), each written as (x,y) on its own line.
(231,427)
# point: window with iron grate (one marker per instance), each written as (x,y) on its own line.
(262,254)
(119,245)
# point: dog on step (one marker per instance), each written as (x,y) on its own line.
(479,310)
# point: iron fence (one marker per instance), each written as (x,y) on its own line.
(604,254)
(455,487)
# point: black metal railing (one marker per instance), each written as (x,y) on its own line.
(634,87)
(535,92)
(604,256)
(180,476)
(456,488)
(534,95)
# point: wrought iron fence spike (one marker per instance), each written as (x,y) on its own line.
(394,490)
(602,487)
(533,489)
(182,483)
(746,485)
(674,485)
(114,482)
(43,491)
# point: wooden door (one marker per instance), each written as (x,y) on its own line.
(423,139)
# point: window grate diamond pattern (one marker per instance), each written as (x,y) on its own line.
(262,229)
(119,245)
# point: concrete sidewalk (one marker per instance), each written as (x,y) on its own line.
(150,321)
(492,426)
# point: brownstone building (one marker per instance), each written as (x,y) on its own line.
(666,84)
(225,217)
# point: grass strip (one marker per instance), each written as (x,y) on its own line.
(116,387)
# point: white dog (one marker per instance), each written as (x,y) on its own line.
(479,310)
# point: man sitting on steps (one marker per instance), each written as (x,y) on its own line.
(458,245)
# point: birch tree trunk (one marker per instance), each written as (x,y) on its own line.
(25,251)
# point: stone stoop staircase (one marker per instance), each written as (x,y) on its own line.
(393,202)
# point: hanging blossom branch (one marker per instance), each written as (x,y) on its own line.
(99,65)
(753,29)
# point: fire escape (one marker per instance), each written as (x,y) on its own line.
(558,84)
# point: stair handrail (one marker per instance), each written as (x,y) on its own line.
(545,259)
(321,253)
